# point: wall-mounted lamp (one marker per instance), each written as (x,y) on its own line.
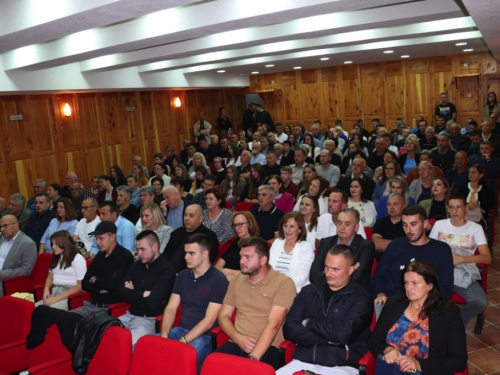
(177,102)
(67,110)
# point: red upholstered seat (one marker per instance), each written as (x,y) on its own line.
(369,232)
(25,284)
(155,355)
(219,363)
(244,206)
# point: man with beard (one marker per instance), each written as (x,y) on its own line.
(443,156)
(386,281)
(262,298)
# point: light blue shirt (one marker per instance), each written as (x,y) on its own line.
(135,198)
(174,217)
(55,226)
(259,158)
(5,249)
(125,235)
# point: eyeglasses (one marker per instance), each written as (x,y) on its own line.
(6,225)
(87,207)
(238,225)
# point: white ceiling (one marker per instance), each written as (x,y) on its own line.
(62,45)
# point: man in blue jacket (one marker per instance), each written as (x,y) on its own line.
(330,320)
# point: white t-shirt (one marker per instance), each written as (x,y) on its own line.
(70,275)
(83,229)
(463,240)
(311,236)
(326,227)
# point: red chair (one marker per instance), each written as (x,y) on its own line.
(25,284)
(219,363)
(369,232)
(113,356)
(212,167)
(50,351)
(177,320)
(244,206)
(155,355)
(14,327)
(229,205)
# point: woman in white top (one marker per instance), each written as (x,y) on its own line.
(198,160)
(233,157)
(153,219)
(159,171)
(291,254)
(67,269)
(313,149)
(309,209)
(358,199)
(317,187)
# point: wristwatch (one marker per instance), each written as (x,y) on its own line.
(253,357)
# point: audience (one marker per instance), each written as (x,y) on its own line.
(359,200)
(217,217)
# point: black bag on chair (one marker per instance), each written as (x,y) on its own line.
(88,334)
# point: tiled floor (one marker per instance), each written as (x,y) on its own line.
(484,349)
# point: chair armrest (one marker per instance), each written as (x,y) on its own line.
(18,284)
(76,300)
(58,366)
(367,364)
(286,348)
(158,321)
(219,338)
(14,356)
(118,309)
(38,292)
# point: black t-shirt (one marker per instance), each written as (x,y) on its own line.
(438,210)
(387,229)
(329,294)
(426,194)
(446,110)
(232,256)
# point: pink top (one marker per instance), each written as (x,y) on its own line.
(285,202)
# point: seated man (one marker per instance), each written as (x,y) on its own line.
(76,191)
(413,175)
(16,208)
(39,186)
(40,219)
(487,159)
(105,272)
(262,298)
(386,281)
(147,286)
(133,184)
(18,252)
(363,250)
(271,167)
(331,342)
(174,252)
(458,175)
(266,213)
(127,209)
(88,224)
(199,290)
(390,227)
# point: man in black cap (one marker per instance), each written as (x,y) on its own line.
(106,271)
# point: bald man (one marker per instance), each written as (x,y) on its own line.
(173,207)
(174,252)
(17,251)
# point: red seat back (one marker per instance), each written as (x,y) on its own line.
(113,356)
(155,355)
(16,319)
(229,205)
(41,269)
(51,348)
(244,206)
(369,232)
(219,363)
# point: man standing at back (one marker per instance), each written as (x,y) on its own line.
(262,298)
(446,109)
(199,290)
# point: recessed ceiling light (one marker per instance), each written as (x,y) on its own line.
(461,44)
(269,65)
(255,72)
(468,49)
(325,59)
(389,51)
(405,56)
(297,67)
(347,62)
(221,71)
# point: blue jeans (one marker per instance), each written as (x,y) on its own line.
(202,345)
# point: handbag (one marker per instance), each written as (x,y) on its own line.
(475,215)
(383,368)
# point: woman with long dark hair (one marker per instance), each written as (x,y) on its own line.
(232,186)
(257,178)
(117,176)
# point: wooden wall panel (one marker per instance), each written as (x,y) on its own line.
(43,117)
(112,129)
(90,120)
(19,143)
(67,127)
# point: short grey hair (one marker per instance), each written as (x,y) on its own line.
(19,198)
(126,189)
(269,189)
(430,128)
(77,184)
(170,148)
(350,210)
(137,157)
(42,182)
(148,189)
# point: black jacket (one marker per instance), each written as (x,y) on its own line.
(447,343)
(346,322)
(402,160)
(364,252)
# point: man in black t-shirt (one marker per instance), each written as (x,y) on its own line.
(446,109)
(389,227)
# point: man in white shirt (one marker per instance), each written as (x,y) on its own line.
(87,224)
(298,168)
(280,136)
(330,172)
(327,223)
(257,157)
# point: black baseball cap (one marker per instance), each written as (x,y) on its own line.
(104,227)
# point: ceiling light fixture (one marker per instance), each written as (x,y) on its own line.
(461,44)
(269,65)
(347,62)
(325,59)
(389,51)
(221,71)
(405,56)
(297,67)
(255,72)
(468,49)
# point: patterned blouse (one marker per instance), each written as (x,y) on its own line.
(221,226)
(410,338)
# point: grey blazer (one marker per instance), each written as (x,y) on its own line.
(21,258)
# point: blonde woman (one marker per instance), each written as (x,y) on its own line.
(153,219)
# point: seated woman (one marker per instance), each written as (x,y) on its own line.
(436,206)
(398,185)
(138,171)
(217,217)
(232,186)
(233,155)
(66,219)
(157,184)
(181,172)
(480,196)
(66,272)
(108,192)
(257,178)
(153,219)
(54,192)
(176,160)
(382,188)
(290,253)
(318,187)
(421,189)
(286,179)
(359,200)
(420,331)
(159,170)
(282,200)
(309,209)
(244,226)
(198,160)
(411,158)
(307,175)
(220,169)
(197,185)
(179,184)
(117,177)
(388,156)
